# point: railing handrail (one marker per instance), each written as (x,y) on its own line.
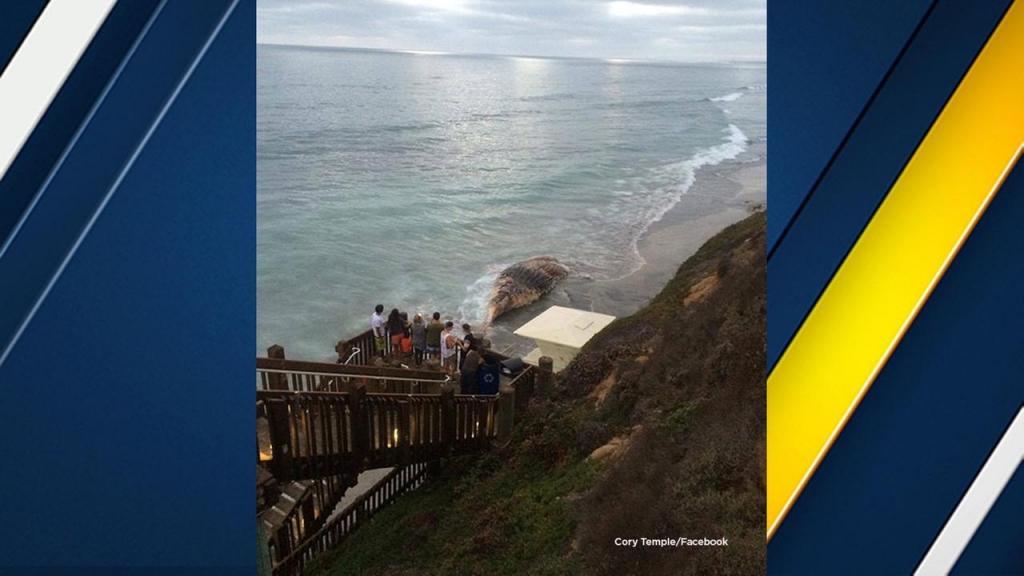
(326,394)
(350,375)
(526,369)
(366,349)
(295,559)
(330,369)
(309,431)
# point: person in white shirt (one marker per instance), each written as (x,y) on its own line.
(377,325)
(449,346)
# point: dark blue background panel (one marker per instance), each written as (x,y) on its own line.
(929,421)
(18,18)
(102,152)
(825,59)
(126,431)
(871,160)
(998,545)
(69,108)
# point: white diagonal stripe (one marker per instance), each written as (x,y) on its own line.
(117,182)
(971,512)
(39,67)
(81,128)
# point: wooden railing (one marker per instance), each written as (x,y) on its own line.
(292,561)
(313,435)
(302,376)
(302,510)
(525,385)
(361,350)
(320,425)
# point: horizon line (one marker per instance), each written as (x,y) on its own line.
(623,60)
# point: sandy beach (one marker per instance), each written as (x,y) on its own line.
(721,195)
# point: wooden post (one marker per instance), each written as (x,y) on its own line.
(506,413)
(482,432)
(448,418)
(360,512)
(264,567)
(360,438)
(307,515)
(277,381)
(280,439)
(545,377)
(267,492)
(283,540)
(526,386)
(404,434)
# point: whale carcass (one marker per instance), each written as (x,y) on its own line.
(524,283)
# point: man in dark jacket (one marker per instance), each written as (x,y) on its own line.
(470,365)
(469,339)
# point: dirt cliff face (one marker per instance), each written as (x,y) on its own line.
(685,378)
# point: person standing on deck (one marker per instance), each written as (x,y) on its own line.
(469,369)
(468,342)
(396,327)
(434,329)
(419,339)
(406,335)
(469,339)
(377,325)
(449,345)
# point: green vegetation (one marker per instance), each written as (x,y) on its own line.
(480,516)
(680,384)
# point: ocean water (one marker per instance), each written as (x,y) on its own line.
(411,180)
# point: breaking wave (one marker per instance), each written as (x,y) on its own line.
(473,308)
(665,187)
(727,98)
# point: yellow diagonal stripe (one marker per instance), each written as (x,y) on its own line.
(895,263)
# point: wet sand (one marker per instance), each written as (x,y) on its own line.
(721,195)
(728,195)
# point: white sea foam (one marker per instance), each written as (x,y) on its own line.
(727,98)
(675,180)
(473,308)
(734,145)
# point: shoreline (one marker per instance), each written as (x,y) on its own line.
(721,195)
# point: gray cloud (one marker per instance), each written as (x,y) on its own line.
(690,30)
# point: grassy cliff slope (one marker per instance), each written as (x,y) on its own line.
(657,430)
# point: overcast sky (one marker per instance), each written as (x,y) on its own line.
(682,30)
